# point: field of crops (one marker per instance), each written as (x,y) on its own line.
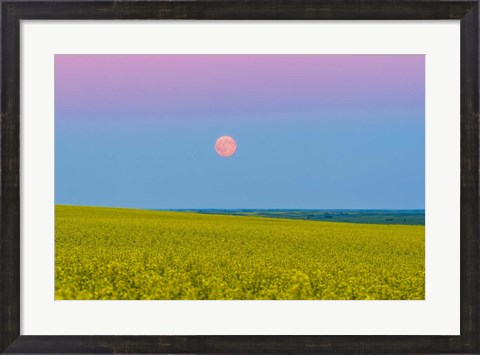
(108,253)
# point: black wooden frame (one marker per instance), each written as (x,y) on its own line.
(13,11)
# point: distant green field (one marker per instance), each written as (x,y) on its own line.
(109,253)
(407,217)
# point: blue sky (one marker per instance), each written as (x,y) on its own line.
(362,147)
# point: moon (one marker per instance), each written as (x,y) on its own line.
(225,146)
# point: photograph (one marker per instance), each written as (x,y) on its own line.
(239,176)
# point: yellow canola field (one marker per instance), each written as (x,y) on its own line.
(128,254)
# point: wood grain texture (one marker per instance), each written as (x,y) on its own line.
(235,344)
(10,183)
(243,10)
(13,11)
(469,179)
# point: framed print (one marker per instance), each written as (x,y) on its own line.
(177,180)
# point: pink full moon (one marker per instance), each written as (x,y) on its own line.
(225,146)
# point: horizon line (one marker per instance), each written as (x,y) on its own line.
(246,208)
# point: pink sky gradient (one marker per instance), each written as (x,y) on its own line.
(192,83)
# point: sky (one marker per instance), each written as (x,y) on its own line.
(312,131)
